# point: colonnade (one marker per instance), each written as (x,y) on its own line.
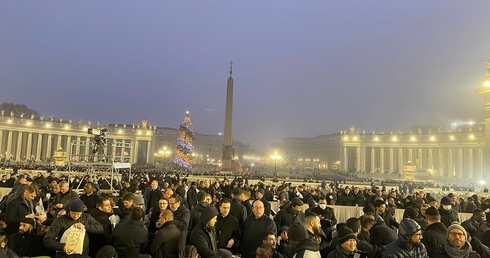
(442,161)
(37,145)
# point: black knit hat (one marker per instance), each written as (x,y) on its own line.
(407,228)
(345,233)
(106,252)
(207,214)
(297,232)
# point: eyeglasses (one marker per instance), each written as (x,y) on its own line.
(453,234)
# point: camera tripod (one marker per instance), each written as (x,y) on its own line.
(98,150)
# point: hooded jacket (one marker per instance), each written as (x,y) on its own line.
(204,237)
(434,236)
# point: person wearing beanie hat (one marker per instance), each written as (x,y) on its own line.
(290,213)
(456,244)
(301,243)
(436,232)
(26,242)
(448,214)
(203,236)
(75,217)
(408,243)
(347,246)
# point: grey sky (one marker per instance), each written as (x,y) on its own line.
(302,68)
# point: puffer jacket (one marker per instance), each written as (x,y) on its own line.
(399,249)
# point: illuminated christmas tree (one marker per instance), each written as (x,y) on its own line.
(184,149)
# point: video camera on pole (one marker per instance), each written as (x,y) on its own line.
(100,140)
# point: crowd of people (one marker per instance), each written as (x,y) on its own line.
(164,215)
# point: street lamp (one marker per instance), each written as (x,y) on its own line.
(275,157)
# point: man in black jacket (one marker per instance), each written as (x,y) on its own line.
(435,234)
(74,217)
(26,242)
(181,216)
(237,209)
(254,229)
(380,207)
(20,208)
(101,214)
(167,239)
(290,213)
(203,236)
(196,211)
(259,195)
(227,227)
(130,238)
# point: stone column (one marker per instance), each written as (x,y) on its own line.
(479,163)
(49,151)
(469,164)
(440,162)
(87,152)
(135,151)
(346,160)
(382,160)
(419,157)
(39,146)
(77,149)
(450,163)
(69,154)
(58,142)
(373,160)
(459,170)
(430,160)
(29,146)
(9,145)
(410,156)
(19,146)
(1,142)
(391,165)
(358,159)
(149,158)
(400,160)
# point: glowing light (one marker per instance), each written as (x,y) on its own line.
(148,133)
(482,182)
(346,138)
(9,121)
(413,138)
(48,125)
(355,138)
(67,127)
(376,138)
(472,136)
(486,84)
(432,138)
(139,132)
(28,123)
(451,137)
(394,138)
(119,131)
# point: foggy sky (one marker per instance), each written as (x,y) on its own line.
(301,68)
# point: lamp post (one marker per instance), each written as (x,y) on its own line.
(275,157)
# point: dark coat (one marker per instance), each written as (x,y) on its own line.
(253,230)
(153,198)
(307,248)
(202,238)
(267,206)
(16,211)
(182,217)
(97,241)
(399,249)
(90,201)
(227,228)
(238,210)
(382,235)
(196,213)
(166,241)
(191,197)
(434,236)
(448,217)
(29,245)
(130,238)
(287,216)
(61,224)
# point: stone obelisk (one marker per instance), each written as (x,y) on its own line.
(227,137)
